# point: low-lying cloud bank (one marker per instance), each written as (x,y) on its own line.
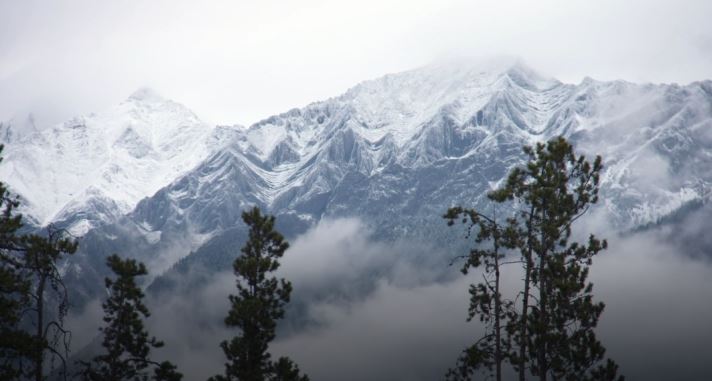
(367,310)
(355,302)
(658,309)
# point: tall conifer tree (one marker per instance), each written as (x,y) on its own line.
(554,327)
(29,270)
(15,344)
(126,342)
(554,189)
(257,306)
(49,300)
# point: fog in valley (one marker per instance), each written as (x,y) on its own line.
(362,310)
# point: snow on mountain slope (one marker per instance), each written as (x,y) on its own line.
(656,141)
(467,119)
(401,115)
(398,150)
(94,168)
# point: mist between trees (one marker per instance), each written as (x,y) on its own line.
(367,309)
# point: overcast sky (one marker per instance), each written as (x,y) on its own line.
(241,61)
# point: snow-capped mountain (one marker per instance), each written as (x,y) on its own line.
(655,140)
(424,139)
(92,169)
(395,151)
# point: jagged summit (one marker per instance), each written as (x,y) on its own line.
(463,72)
(407,109)
(527,77)
(95,168)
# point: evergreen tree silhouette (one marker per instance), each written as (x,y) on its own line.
(126,342)
(257,306)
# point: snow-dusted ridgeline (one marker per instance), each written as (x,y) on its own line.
(92,169)
(396,151)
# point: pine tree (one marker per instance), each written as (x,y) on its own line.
(554,327)
(555,333)
(126,342)
(259,303)
(486,300)
(39,263)
(28,270)
(16,345)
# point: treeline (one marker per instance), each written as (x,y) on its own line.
(545,331)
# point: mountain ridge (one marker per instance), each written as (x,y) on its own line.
(398,150)
(94,168)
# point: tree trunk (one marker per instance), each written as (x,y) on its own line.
(543,295)
(39,336)
(525,299)
(523,323)
(498,316)
(543,325)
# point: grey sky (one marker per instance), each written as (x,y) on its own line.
(240,61)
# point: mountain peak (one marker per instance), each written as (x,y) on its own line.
(526,77)
(460,74)
(146,94)
(514,68)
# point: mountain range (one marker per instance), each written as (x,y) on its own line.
(149,179)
